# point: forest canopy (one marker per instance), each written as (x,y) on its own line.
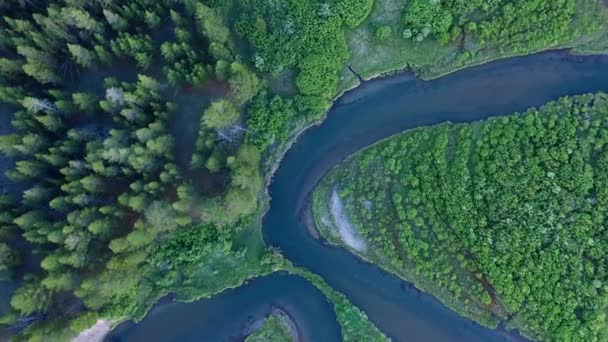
(103,203)
(507,215)
(117,197)
(142,133)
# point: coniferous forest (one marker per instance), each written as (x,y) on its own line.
(111,209)
(103,202)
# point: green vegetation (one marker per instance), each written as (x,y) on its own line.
(354,322)
(434,37)
(116,221)
(502,219)
(311,37)
(273,330)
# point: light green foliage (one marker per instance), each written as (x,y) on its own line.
(31,298)
(354,12)
(81,55)
(137,46)
(9,67)
(199,241)
(511,24)
(220,114)
(273,330)
(243,83)
(241,199)
(383,32)
(84,322)
(428,16)
(160,217)
(507,216)
(7,143)
(212,24)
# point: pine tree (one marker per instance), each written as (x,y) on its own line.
(81,55)
(31,298)
(220,114)
(212,25)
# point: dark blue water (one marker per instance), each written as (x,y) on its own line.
(224,317)
(374,111)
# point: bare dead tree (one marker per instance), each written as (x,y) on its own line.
(36,105)
(230,133)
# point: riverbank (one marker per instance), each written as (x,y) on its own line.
(429,59)
(96,333)
(279,326)
(423,230)
(234,314)
(355,324)
(321,212)
(388,301)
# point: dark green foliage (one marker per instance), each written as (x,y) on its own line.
(383,32)
(270,119)
(9,259)
(506,215)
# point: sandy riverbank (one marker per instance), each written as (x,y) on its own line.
(347,232)
(96,333)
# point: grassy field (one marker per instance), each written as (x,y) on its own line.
(429,59)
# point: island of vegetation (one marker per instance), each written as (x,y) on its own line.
(278,327)
(503,220)
(144,132)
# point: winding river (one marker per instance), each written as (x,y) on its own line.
(373,111)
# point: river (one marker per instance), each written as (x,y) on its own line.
(388,106)
(375,110)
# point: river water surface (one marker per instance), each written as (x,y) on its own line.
(363,116)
